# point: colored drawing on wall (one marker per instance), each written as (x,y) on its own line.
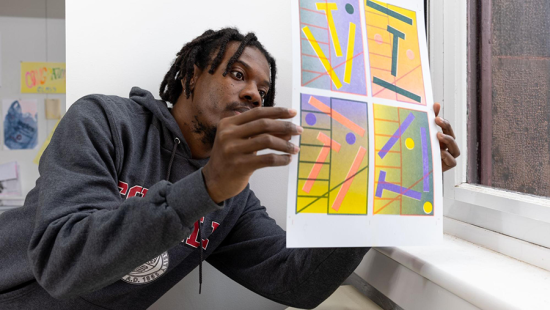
(43,77)
(332,55)
(10,180)
(403,166)
(333,158)
(394,53)
(20,124)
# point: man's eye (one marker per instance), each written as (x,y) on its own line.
(263,94)
(238,75)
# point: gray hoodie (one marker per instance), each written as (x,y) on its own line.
(120,214)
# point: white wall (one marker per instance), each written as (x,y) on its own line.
(114,45)
(28,39)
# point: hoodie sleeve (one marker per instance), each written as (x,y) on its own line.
(255,255)
(86,235)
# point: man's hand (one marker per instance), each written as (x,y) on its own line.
(238,139)
(447,143)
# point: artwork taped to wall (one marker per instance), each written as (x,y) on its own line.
(20,124)
(369,170)
(52,108)
(10,181)
(43,77)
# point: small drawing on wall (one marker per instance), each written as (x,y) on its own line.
(20,124)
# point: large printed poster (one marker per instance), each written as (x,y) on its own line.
(368,172)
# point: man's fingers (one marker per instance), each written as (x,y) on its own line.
(437,108)
(270,160)
(266,125)
(264,112)
(263,142)
(284,137)
(443,123)
(446,142)
(446,126)
(448,161)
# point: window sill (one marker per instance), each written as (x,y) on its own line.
(455,274)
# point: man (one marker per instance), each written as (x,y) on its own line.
(133,196)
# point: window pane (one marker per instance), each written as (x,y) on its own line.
(514,75)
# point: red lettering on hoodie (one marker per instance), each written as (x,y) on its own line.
(193,239)
(136,190)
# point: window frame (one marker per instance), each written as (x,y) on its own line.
(510,214)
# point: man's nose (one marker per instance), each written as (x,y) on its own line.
(251,95)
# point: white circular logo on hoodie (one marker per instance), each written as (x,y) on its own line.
(149,271)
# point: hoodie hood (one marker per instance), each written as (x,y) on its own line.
(166,122)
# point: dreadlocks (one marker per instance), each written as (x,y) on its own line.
(199,52)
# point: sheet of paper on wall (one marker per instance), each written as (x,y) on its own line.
(43,77)
(10,184)
(369,170)
(20,124)
(53,108)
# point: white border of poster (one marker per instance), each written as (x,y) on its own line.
(322,230)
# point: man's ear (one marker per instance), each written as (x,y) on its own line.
(196,73)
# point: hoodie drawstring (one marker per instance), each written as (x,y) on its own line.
(200,262)
(177,142)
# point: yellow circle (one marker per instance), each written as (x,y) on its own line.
(428,208)
(409,143)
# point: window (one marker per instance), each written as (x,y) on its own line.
(509,82)
(490,64)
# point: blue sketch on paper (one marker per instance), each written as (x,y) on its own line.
(20,129)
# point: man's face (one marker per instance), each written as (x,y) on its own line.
(216,96)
